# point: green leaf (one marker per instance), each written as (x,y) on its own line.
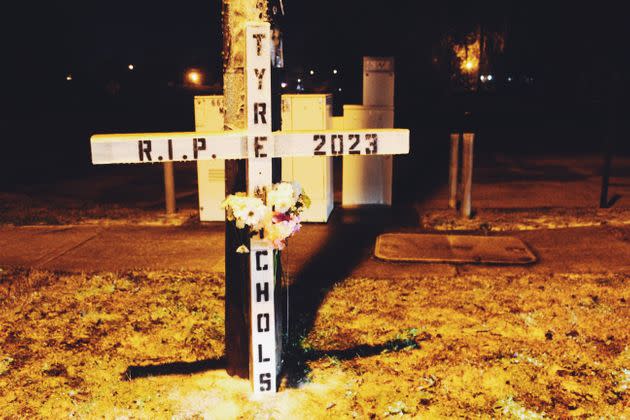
(306,200)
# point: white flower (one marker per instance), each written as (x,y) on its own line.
(281,197)
(276,220)
(245,211)
(297,189)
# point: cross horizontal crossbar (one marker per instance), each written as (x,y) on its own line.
(190,146)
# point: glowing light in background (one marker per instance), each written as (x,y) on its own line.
(194,77)
(335,71)
(283,85)
(489,77)
(483,78)
(468,56)
(312,72)
(130,67)
(69,77)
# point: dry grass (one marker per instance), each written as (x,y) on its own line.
(514,346)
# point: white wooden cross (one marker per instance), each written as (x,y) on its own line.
(259,145)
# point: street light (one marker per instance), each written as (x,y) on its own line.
(468,55)
(130,67)
(312,72)
(194,77)
(335,71)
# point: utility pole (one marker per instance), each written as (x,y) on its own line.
(235,14)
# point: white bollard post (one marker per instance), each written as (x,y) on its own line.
(169,188)
(467,173)
(453,171)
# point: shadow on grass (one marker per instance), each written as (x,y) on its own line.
(175,368)
(351,240)
(296,369)
(296,373)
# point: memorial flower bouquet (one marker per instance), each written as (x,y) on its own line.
(273,213)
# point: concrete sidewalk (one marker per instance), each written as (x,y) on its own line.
(347,248)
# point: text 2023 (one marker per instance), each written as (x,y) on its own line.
(337,144)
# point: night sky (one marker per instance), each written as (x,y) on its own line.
(575,55)
(43,42)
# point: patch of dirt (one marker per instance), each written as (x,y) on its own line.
(501,220)
(514,346)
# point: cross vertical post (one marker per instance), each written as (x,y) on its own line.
(263,353)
